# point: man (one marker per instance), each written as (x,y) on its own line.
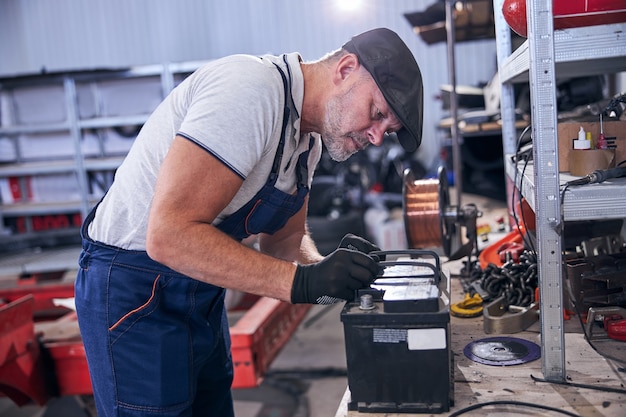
(228,154)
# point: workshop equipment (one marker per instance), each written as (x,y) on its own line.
(397,336)
(471,306)
(506,292)
(613,321)
(596,281)
(501,318)
(431,221)
(616,327)
(510,251)
(502,351)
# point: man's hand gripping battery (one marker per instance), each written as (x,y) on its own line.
(338,275)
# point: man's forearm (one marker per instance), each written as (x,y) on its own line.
(308,251)
(298,248)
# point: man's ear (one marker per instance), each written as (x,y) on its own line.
(346,65)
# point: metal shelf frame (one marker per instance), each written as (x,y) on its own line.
(169,74)
(60,166)
(594,201)
(542,80)
(543,57)
(580,51)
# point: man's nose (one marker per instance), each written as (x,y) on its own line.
(376,135)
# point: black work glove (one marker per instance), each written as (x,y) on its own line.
(334,278)
(357,243)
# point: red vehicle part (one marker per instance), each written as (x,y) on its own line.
(61,340)
(70,368)
(567,13)
(259,336)
(44,288)
(22,371)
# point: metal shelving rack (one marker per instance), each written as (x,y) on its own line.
(74,126)
(545,55)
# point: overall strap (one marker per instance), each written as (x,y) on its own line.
(281,144)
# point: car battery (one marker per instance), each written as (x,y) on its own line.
(397,337)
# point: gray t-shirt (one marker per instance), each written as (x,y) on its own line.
(233,109)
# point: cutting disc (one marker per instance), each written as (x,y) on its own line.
(501,351)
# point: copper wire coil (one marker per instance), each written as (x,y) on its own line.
(422,212)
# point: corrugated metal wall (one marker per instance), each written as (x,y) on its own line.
(62,35)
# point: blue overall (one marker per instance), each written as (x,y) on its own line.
(157,342)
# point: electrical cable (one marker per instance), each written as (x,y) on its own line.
(528,242)
(515,403)
(599,175)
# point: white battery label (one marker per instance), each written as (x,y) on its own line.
(427,339)
(417,339)
(389,335)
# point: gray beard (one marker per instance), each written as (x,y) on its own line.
(335,149)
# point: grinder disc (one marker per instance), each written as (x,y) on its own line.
(501,351)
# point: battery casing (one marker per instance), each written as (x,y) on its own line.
(398,351)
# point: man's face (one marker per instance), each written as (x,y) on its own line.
(356,117)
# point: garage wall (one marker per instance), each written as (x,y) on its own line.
(67,35)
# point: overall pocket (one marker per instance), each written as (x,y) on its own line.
(149,341)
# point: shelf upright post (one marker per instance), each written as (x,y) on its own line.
(167,79)
(507,95)
(549,225)
(454,128)
(72,114)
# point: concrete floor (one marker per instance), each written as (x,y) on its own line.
(308,377)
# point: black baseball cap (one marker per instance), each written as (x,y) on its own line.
(392,65)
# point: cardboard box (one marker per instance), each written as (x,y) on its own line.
(568,131)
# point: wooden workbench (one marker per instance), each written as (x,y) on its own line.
(476,383)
